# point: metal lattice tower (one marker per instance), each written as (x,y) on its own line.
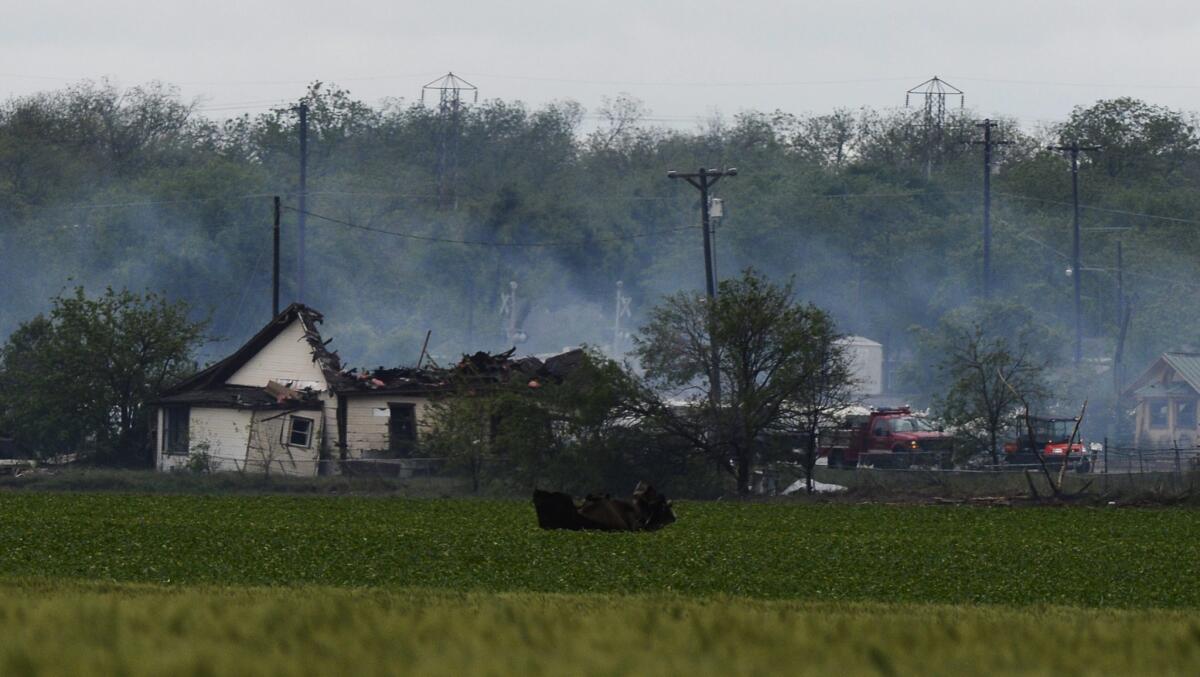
(935,91)
(449,90)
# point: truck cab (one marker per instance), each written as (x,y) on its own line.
(900,431)
(1050,438)
(887,437)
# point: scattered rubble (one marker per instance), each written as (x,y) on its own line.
(478,368)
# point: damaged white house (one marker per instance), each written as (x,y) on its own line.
(269,405)
(282,403)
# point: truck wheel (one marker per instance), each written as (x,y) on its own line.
(1083,466)
(835,459)
(900,458)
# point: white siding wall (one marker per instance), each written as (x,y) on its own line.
(269,452)
(367,421)
(223,433)
(286,359)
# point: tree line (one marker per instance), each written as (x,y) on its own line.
(136,188)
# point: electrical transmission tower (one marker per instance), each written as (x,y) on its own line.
(622,311)
(514,314)
(449,90)
(935,91)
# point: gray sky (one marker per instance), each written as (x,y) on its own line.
(685,60)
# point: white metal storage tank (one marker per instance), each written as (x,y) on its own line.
(866,364)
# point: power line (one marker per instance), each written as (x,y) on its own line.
(1024,234)
(431,196)
(643,83)
(488,243)
(697,83)
(1053,83)
(147,203)
(1107,210)
(237,315)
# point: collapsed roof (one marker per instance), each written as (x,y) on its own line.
(472,370)
(210,386)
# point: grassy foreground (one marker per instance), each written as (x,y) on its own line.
(64,628)
(1093,557)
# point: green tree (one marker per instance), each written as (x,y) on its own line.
(992,356)
(1135,137)
(80,379)
(823,394)
(559,433)
(776,357)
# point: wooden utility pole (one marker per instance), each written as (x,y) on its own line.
(703,180)
(275,265)
(987,125)
(302,213)
(1076,268)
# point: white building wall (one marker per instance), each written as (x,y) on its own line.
(269,450)
(367,420)
(287,359)
(222,433)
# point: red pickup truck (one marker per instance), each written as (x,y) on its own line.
(886,438)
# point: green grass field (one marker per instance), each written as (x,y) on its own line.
(127,584)
(151,630)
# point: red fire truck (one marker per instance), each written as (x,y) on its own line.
(887,438)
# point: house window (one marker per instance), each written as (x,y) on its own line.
(175,429)
(1185,414)
(299,432)
(402,429)
(1158,410)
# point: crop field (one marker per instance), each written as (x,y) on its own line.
(284,585)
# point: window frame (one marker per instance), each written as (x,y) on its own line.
(1188,406)
(290,430)
(170,440)
(405,446)
(1153,404)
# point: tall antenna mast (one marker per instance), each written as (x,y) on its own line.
(450,91)
(935,91)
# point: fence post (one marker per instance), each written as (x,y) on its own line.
(1141,462)
(1178,464)
(1106,463)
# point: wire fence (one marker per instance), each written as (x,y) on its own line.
(356,467)
(1137,460)
(1102,458)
